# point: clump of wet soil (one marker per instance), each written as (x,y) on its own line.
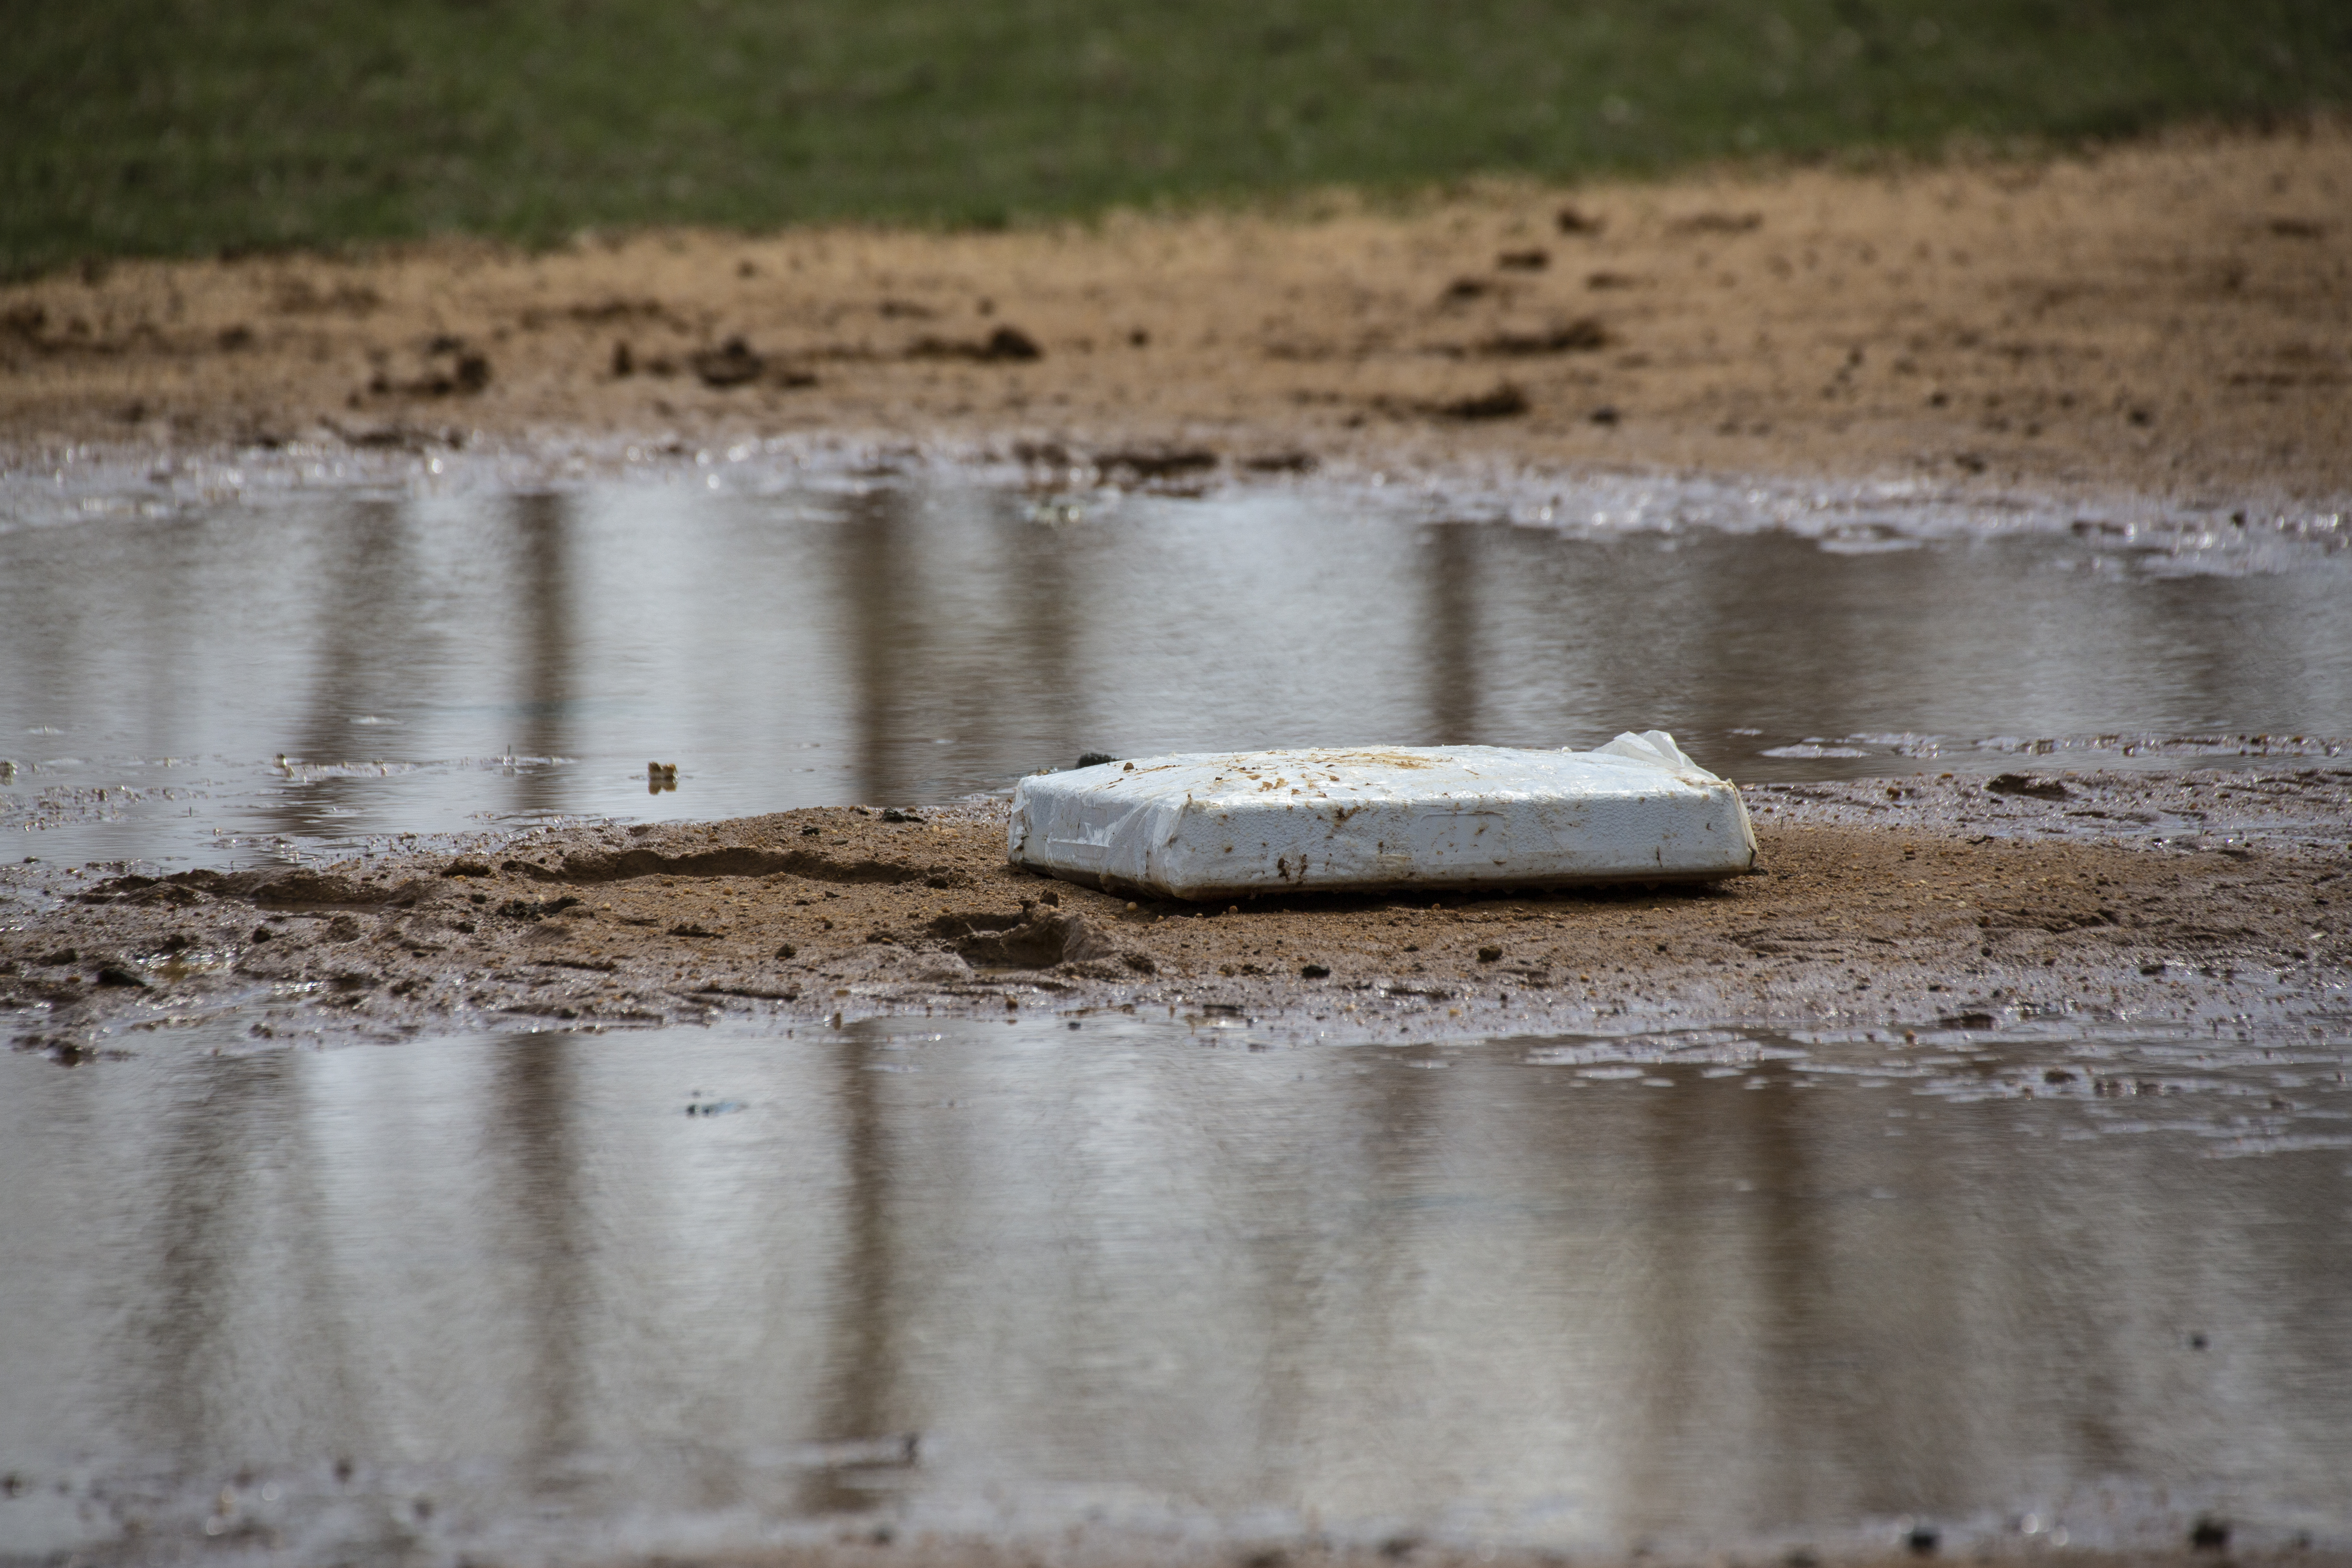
(2215,898)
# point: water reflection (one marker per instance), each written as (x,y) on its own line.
(548,662)
(1452,639)
(1132,1275)
(863,1351)
(421,660)
(534,1095)
(204,1223)
(364,633)
(876,588)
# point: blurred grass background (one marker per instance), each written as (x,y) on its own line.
(183,126)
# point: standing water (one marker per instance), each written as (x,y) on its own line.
(549,1296)
(300,670)
(556,1297)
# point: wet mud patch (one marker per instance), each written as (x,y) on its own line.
(1929,904)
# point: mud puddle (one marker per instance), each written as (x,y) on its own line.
(1158,1256)
(552,1297)
(222,665)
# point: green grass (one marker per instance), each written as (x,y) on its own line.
(180,126)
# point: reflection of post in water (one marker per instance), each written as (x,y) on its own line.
(223,1168)
(533,1095)
(365,616)
(1387,1122)
(1452,639)
(1049,611)
(860,1364)
(1843,1421)
(1696,1281)
(871,563)
(1796,1296)
(543,563)
(193,1301)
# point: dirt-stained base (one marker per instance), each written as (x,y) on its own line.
(860,1544)
(1407,1551)
(2215,900)
(2169,317)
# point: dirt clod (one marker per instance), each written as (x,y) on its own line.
(730,365)
(1582,335)
(1504,401)
(1159,465)
(2019,784)
(1005,344)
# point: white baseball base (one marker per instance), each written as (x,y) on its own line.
(1241,824)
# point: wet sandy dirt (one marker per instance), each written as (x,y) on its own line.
(2213,898)
(2162,318)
